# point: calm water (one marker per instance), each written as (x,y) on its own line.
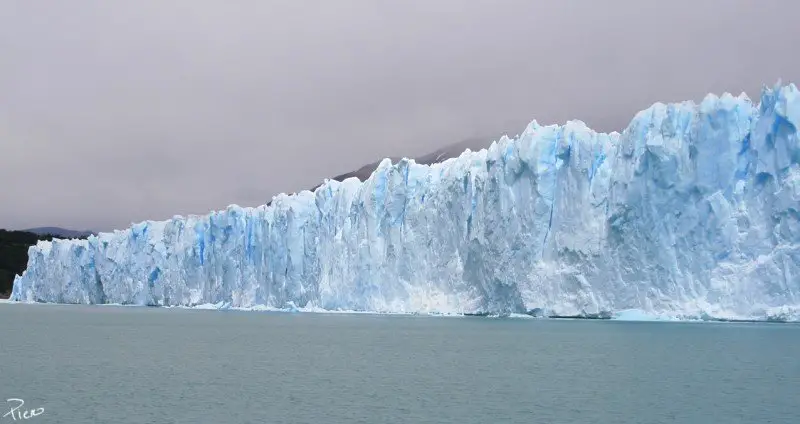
(142,365)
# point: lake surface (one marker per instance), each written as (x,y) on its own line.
(107,364)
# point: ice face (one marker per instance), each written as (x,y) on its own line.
(693,211)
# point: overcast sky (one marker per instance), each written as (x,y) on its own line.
(114,112)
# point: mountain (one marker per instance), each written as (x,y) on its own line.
(59,232)
(691,212)
(447,152)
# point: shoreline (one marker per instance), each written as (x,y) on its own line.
(616,316)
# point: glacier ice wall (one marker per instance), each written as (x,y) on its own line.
(694,210)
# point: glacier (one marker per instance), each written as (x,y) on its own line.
(693,211)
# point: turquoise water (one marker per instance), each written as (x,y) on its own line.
(107,364)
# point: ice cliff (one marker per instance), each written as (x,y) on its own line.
(693,211)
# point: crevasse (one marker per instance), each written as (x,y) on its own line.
(693,211)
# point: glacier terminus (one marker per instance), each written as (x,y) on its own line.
(693,211)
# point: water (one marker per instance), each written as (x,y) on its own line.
(143,365)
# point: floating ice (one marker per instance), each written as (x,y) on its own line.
(639,315)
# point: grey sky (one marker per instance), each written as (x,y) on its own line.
(120,111)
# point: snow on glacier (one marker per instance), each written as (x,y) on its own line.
(692,211)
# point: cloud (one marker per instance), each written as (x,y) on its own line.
(113,112)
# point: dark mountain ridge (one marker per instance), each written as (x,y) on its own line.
(59,232)
(441,155)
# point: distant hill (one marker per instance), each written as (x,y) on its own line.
(441,155)
(59,232)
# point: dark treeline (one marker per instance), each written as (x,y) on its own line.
(14,255)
